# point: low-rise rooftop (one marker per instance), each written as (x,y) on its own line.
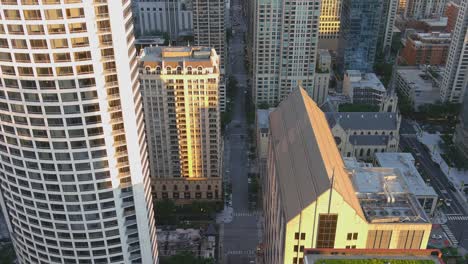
(405,163)
(363,120)
(383,193)
(178,56)
(364,80)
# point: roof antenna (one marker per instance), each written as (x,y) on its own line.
(331,190)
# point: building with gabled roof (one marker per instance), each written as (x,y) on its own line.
(310,200)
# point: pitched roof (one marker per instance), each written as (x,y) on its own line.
(369,140)
(306,155)
(363,120)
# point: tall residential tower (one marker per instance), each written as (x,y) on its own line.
(180,88)
(74,168)
(285,47)
(455,77)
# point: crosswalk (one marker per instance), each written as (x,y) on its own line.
(240,214)
(450,235)
(241,252)
(457,217)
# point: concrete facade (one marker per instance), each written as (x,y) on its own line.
(286,34)
(426,48)
(180,87)
(419,84)
(455,78)
(363,88)
(164,16)
(75,182)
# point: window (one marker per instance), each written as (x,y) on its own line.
(379,239)
(327,230)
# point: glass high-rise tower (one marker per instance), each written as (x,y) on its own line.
(360,25)
(74,166)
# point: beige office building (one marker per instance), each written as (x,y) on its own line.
(180,87)
(312,201)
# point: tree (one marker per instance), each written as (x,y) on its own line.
(185,258)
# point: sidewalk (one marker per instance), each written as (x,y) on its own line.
(456,176)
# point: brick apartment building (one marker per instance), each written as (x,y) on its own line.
(426,48)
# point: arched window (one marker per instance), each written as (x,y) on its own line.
(175,187)
(164,187)
(198,187)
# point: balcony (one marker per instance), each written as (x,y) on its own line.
(114,108)
(111,84)
(118,132)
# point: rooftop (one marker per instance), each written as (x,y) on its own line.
(404,162)
(420,38)
(298,126)
(384,194)
(178,56)
(262,118)
(363,120)
(369,140)
(417,78)
(358,79)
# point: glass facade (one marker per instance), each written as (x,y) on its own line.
(360,24)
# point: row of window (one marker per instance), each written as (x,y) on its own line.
(49,14)
(49,85)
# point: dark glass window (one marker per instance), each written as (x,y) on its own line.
(326,230)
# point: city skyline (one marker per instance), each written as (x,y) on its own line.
(233,131)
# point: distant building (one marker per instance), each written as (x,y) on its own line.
(285,48)
(455,77)
(360,27)
(180,88)
(420,9)
(262,127)
(426,48)
(363,88)
(322,76)
(387,24)
(421,85)
(461,134)
(312,202)
(208,27)
(405,165)
(361,135)
(451,12)
(329,30)
(164,16)
(198,243)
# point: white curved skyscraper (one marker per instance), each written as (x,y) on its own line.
(73,160)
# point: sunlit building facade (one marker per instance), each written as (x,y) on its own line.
(74,167)
(180,87)
(329,31)
(312,201)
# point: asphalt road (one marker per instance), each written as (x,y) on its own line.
(456,212)
(240,237)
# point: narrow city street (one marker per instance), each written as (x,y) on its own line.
(240,236)
(456,213)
